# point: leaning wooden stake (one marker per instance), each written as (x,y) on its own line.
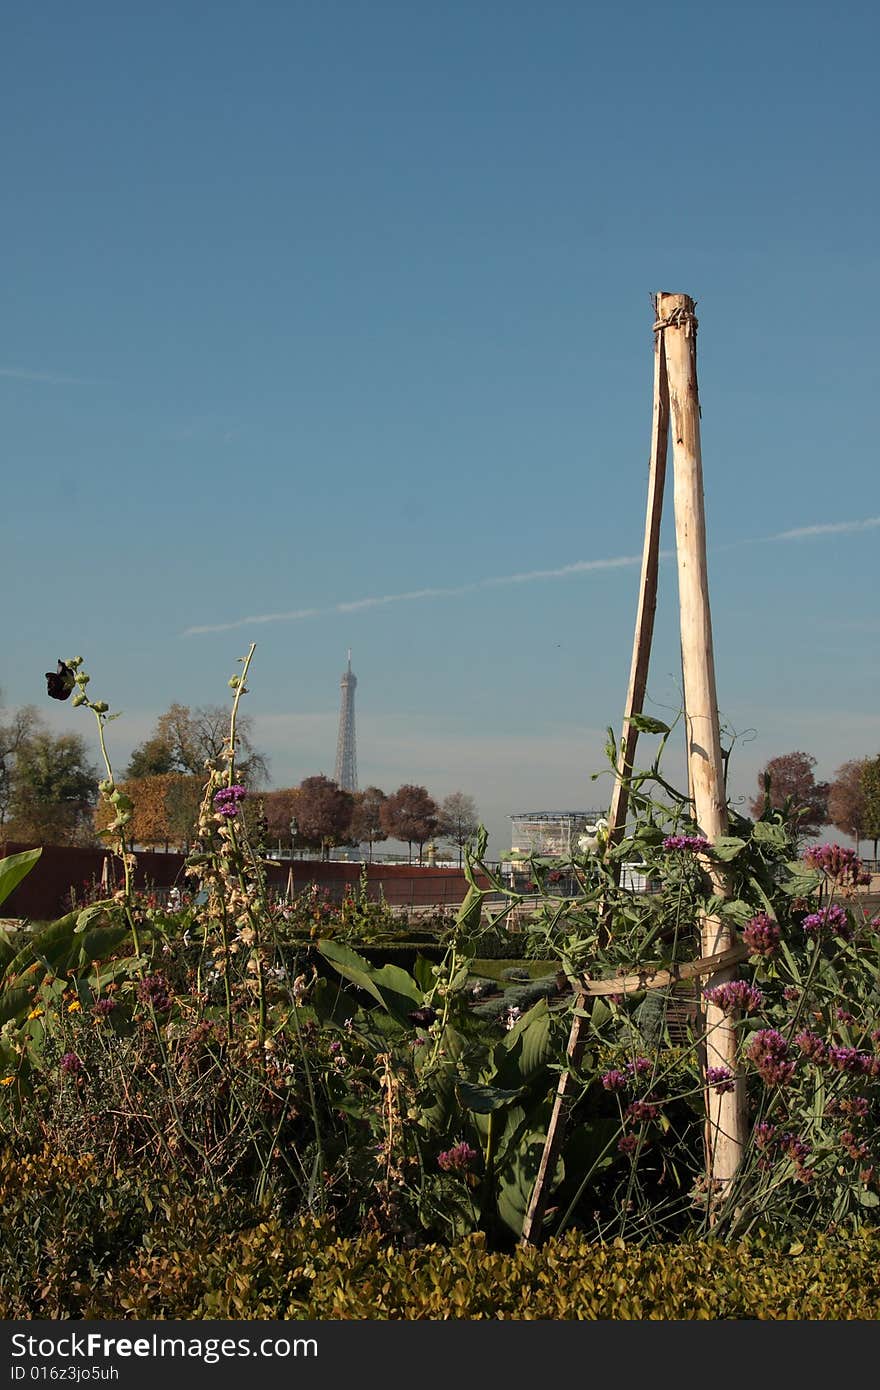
(677,326)
(534,1220)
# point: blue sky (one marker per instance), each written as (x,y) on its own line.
(312,304)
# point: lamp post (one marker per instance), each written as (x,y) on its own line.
(293,829)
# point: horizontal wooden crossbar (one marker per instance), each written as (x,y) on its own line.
(653,978)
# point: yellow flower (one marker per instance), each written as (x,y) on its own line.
(34,1013)
(74,1007)
(6,1080)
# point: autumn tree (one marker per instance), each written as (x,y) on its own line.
(458,821)
(366,822)
(846,799)
(183,801)
(281,807)
(788,784)
(185,739)
(410,814)
(870,780)
(165,809)
(55,789)
(323,814)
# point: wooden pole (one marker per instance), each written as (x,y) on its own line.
(647,604)
(677,325)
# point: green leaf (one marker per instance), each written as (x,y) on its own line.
(390,986)
(14,868)
(767,833)
(485,1099)
(14,1002)
(529,1041)
(727,847)
(648,725)
(89,914)
(737,910)
(470,912)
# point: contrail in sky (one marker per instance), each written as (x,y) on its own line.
(527,577)
(50,378)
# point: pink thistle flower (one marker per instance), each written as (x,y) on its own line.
(458,1159)
(691,844)
(735,994)
(721,1079)
(761,935)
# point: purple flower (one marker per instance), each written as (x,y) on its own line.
(721,1079)
(831,920)
(70,1063)
(856,1105)
(154,989)
(458,1159)
(639,1066)
(628,1144)
(761,935)
(841,865)
(791,994)
(811,1045)
(642,1111)
(694,844)
(764,1134)
(103,1007)
(851,1060)
(228,799)
(769,1052)
(615,1080)
(735,994)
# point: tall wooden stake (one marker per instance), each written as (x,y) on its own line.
(647,604)
(677,325)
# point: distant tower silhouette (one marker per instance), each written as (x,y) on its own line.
(345,775)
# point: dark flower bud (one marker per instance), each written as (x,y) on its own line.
(60,683)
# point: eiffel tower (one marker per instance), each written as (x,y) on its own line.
(345,775)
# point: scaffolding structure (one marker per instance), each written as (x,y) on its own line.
(553,833)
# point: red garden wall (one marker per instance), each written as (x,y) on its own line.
(60,870)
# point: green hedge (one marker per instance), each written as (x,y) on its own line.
(78,1242)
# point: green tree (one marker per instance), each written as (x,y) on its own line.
(55,790)
(185,739)
(870,780)
(15,730)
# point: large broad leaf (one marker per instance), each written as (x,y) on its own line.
(438,1106)
(14,868)
(528,1046)
(7,950)
(803,879)
(516,1179)
(14,1002)
(765,832)
(390,986)
(51,947)
(727,847)
(98,942)
(485,1099)
(471,910)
